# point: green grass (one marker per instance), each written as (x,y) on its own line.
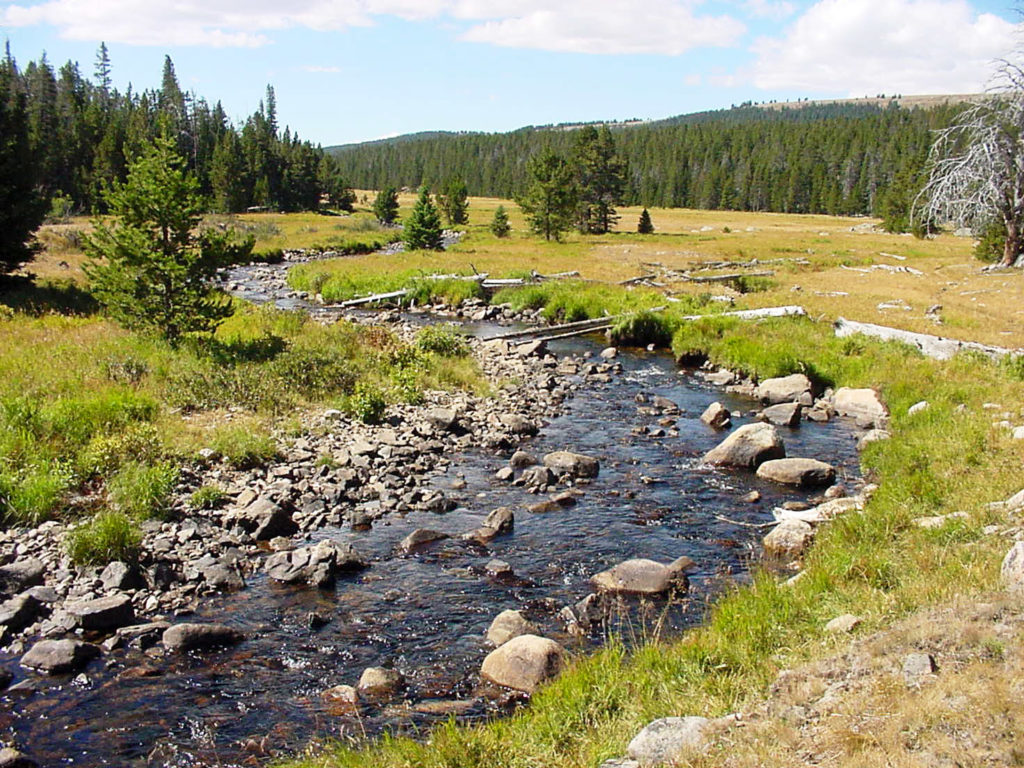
(876,564)
(108,536)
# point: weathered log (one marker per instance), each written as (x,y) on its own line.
(371,299)
(935,347)
(727,278)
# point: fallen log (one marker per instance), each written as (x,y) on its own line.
(371,299)
(727,278)
(935,347)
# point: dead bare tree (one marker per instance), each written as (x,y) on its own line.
(976,165)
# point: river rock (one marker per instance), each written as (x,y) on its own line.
(20,612)
(666,741)
(102,614)
(535,477)
(785,389)
(507,625)
(790,538)
(518,425)
(521,460)
(12,758)
(192,636)
(665,405)
(265,520)
(843,625)
(21,574)
(444,419)
(782,415)
(749,446)
(524,662)
(575,464)
(1012,571)
(223,576)
(121,576)
(872,436)
(56,657)
(716,416)
(341,699)
(378,683)
(536,348)
(644,577)
(420,538)
(860,404)
(316,565)
(805,473)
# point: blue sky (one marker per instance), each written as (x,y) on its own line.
(352,70)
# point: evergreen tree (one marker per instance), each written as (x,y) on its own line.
(550,201)
(453,200)
(339,194)
(423,227)
(228,178)
(499,224)
(150,269)
(22,204)
(600,179)
(645,226)
(102,70)
(385,205)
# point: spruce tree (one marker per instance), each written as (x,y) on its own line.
(499,224)
(644,226)
(600,179)
(550,201)
(453,200)
(385,205)
(423,227)
(149,268)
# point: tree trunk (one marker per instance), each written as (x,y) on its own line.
(1011,248)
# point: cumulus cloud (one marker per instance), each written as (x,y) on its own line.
(584,26)
(770,9)
(884,46)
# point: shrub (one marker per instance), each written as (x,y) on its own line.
(442,340)
(109,536)
(141,490)
(366,403)
(207,497)
(641,329)
(106,453)
(242,447)
(34,494)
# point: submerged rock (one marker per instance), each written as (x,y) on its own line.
(191,636)
(59,656)
(506,626)
(420,538)
(644,577)
(574,464)
(805,473)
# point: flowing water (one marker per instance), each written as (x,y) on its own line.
(426,614)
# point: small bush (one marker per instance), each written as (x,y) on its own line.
(753,284)
(242,447)
(367,403)
(126,370)
(207,497)
(106,453)
(442,340)
(107,537)
(143,491)
(407,386)
(991,241)
(642,329)
(35,494)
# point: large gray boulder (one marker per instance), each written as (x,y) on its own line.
(56,657)
(575,464)
(782,415)
(265,520)
(862,404)
(20,612)
(104,614)
(1012,571)
(119,575)
(795,388)
(748,447)
(21,574)
(668,740)
(191,636)
(524,662)
(316,565)
(805,473)
(790,538)
(644,577)
(506,626)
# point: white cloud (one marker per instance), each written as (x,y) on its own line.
(884,46)
(598,26)
(770,9)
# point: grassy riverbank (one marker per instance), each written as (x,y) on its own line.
(878,564)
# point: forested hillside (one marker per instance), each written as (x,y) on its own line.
(837,159)
(82,133)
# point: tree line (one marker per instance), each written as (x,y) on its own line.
(81,134)
(832,159)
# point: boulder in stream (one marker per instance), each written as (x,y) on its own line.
(748,447)
(506,626)
(574,464)
(716,416)
(315,565)
(804,473)
(420,538)
(644,577)
(190,636)
(785,389)
(102,614)
(524,662)
(57,657)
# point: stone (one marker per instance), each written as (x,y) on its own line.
(919,668)
(860,403)
(121,576)
(419,539)
(498,568)
(223,577)
(341,699)
(804,473)
(12,758)
(102,614)
(667,741)
(316,564)
(574,464)
(518,425)
(508,625)
(543,507)
(265,520)
(644,577)
(521,460)
(444,419)
(844,624)
(378,683)
(782,415)
(538,476)
(524,662)
(20,612)
(536,348)
(784,389)
(193,636)
(57,657)
(790,538)
(752,498)
(665,405)
(1012,571)
(500,520)
(619,762)
(21,574)
(505,474)
(872,436)
(917,407)
(609,353)
(748,447)
(937,521)
(716,416)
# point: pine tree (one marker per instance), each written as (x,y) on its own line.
(102,71)
(645,226)
(453,200)
(385,206)
(600,179)
(228,176)
(150,269)
(550,201)
(499,224)
(423,227)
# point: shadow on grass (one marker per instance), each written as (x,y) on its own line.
(24,294)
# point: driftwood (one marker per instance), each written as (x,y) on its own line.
(371,299)
(935,347)
(727,278)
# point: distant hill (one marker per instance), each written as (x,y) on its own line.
(837,156)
